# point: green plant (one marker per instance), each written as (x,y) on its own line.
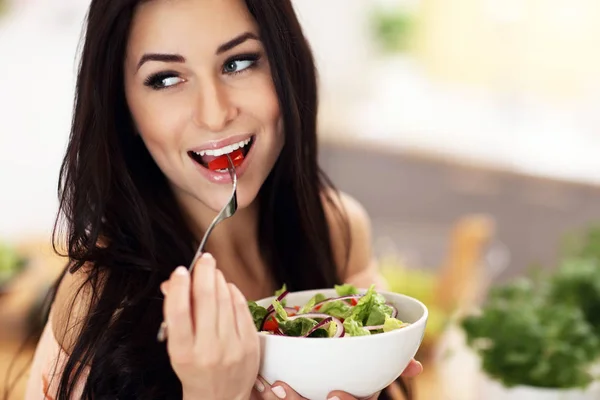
(586,245)
(524,338)
(544,330)
(392,28)
(10,262)
(577,281)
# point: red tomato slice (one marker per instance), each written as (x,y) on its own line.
(271,325)
(221,162)
(353,301)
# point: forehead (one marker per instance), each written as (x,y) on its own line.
(177,25)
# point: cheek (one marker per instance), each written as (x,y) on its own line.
(160,125)
(271,106)
(160,128)
(267,108)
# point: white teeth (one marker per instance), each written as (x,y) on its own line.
(224,150)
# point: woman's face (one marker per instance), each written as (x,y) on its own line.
(198,83)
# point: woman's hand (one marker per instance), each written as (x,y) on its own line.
(279,390)
(212,340)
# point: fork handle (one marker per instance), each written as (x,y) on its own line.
(200,250)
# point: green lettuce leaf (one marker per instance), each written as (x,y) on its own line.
(280,313)
(317,298)
(337,308)
(363,308)
(345,290)
(391,324)
(258,314)
(354,328)
(298,326)
(279,292)
(320,333)
(332,329)
(377,316)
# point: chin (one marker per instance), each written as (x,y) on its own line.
(246,196)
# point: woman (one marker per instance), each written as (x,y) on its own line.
(162,84)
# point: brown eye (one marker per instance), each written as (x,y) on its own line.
(162,80)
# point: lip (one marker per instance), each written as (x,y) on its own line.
(224,177)
(218,144)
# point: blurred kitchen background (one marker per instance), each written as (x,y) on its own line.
(470,131)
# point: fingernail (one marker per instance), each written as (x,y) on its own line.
(334,398)
(207,256)
(258,385)
(163,288)
(181,271)
(279,392)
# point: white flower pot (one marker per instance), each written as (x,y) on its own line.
(452,355)
(493,390)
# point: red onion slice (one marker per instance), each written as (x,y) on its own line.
(279,298)
(376,327)
(311,315)
(271,313)
(321,303)
(319,325)
(373,327)
(340,331)
(394,310)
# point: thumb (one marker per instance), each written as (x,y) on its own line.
(281,390)
(164,287)
(337,395)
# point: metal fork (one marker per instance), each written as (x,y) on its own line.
(227,211)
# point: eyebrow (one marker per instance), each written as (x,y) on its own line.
(236,41)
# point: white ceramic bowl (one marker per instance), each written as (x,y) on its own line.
(360,365)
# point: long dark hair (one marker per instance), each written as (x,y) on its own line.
(123,224)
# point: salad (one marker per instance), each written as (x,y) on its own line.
(348,314)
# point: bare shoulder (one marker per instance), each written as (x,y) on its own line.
(70,308)
(351,236)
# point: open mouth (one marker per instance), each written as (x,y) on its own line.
(215,159)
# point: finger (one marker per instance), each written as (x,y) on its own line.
(164,287)
(413,369)
(280,390)
(226,326)
(178,313)
(205,298)
(245,324)
(260,388)
(277,391)
(337,395)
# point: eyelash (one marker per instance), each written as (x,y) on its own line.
(154,81)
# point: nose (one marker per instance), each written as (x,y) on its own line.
(214,109)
